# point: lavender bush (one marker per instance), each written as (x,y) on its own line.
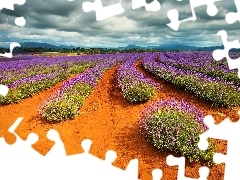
(175,126)
(134,85)
(201,62)
(68,100)
(15,70)
(30,86)
(27,87)
(67,105)
(215,90)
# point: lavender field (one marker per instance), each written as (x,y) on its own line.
(168,123)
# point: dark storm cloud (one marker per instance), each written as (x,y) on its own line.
(60,21)
(44,7)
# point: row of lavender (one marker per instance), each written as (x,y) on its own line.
(66,103)
(214,89)
(202,62)
(174,126)
(14,70)
(168,125)
(28,77)
(134,85)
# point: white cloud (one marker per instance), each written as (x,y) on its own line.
(61,22)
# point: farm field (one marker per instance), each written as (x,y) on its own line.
(131,103)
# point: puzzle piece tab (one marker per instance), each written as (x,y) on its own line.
(103,13)
(224,53)
(102,169)
(180,162)
(157,174)
(173,14)
(153,6)
(12,46)
(21,159)
(3,90)
(226,130)
(9,4)
(19,21)
(12,157)
(232,17)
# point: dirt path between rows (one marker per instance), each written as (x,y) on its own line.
(112,124)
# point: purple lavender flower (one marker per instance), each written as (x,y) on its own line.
(129,78)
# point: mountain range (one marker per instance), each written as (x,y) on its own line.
(172,47)
(167,47)
(44,45)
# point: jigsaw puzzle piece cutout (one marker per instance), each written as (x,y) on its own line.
(9,4)
(231,166)
(153,6)
(173,14)
(20,21)
(220,131)
(12,157)
(74,167)
(58,149)
(180,162)
(232,17)
(3,90)
(226,130)
(12,46)
(11,137)
(103,169)
(103,12)
(211,7)
(219,54)
(19,146)
(157,174)
(111,2)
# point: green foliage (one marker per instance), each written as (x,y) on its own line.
(26,90)
(218,93)
(67,106)
(140,92)
(30,88)
(175,131)
(80,68)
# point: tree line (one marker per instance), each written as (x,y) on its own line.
(78,50)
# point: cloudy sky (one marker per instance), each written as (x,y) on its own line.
(64,22)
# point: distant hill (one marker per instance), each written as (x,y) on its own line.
(176,47)
(167,47)
(44,45)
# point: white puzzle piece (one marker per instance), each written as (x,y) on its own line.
(219,54)
(22,158)
(103,13)
(19,21)
(180,162)
(226,130)
(232,17)
(3,90)
(173,14)
(153,6)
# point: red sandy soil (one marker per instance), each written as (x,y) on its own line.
(112,124)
